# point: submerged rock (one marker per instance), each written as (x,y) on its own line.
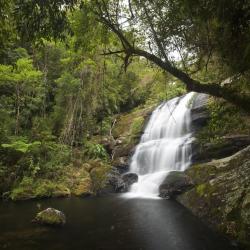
(221,196)
(50,216)
(175,183)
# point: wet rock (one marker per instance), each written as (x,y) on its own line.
(130,178)
(121,183)
(116,182)
(50,216)
(221,195)
(175,183)
(199,111)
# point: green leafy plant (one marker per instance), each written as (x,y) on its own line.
(95,151)
(21,146)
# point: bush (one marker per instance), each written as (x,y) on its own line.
(95,151)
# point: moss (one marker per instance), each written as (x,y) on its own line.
(99,176)
(40,188)
(21,193)
(201,189)
(87,179)
(201,173)
(50,216)
(82,187)
(125,122)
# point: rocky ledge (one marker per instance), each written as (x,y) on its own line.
(221,194)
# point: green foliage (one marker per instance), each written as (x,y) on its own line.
(21,146)
(57,95)
(95,151)
(225,119)
(137,127)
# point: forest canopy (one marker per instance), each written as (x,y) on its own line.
(196,31)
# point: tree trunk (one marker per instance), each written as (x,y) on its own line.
(17,109)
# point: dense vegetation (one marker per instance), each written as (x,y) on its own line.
(69,67)
(56,95)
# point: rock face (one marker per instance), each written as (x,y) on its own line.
(221,196)
(50,216)
(121,183)
(199,112)
(175,183)
(228,146)
(130,178)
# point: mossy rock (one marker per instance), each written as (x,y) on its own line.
(130,122)
(82,187)
(41,188)
(20,193)
(221,195)
(50,216)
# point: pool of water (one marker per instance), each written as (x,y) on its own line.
(111,222)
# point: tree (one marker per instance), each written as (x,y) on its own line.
(24,91)
(154,29)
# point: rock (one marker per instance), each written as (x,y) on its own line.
(221,196)
(121,163)
(130,178)
(229,145)
(50,216)
(116,182)
(199,111)
(82,187)
(121,183)
(175,183)
(123,150)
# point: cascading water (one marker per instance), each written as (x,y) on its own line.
(165,146)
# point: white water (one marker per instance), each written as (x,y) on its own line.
(165,146)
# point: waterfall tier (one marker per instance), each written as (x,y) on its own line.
(165,146)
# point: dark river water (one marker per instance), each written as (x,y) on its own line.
(107,223)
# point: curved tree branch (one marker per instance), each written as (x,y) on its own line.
(214,89)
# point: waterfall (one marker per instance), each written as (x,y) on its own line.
(164,146)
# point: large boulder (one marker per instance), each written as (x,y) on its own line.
(175,183)
(121,183)
(130,178)
(221,196)
(115,181)
(51,217)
